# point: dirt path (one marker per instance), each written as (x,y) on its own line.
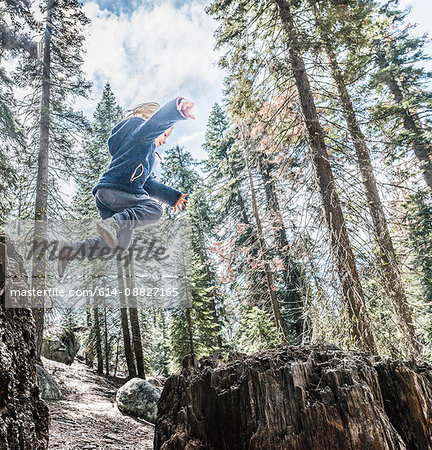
(88,418)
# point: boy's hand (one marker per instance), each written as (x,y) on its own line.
(181,203)
(185,107)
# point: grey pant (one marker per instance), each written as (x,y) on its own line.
(129,210)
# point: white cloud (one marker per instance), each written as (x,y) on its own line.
(155,54)
(185,139)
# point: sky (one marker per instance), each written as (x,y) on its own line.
(156,50)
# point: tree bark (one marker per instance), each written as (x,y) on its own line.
(134,321)
(190,333)
(89,344)
(107,347)
(24,417)
(294,284)
(125,323)
(98,339)
(264,251)
(41,203)
(389,265)
(344,258)
(411,123)
(297,398)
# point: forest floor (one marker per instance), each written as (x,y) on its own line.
(88,418)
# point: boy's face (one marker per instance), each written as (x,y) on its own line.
(160,140)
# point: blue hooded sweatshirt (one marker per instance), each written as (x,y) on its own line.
(132,148)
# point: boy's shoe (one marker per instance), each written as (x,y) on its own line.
(108,228)
(64,257)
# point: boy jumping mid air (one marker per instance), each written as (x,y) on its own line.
(124,194)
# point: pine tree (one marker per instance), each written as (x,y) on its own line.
(12,43)
(389,264)
(271,286)
(271,19)
(419,224)
(203,331)
(291,292)
(228,192)
(61,78)
(206,297)
(343,254)
(257,330)
(403,82)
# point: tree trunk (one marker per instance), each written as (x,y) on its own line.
(24,417)
(134,321)
(98,339)
(41,203)
(124,322)
(250,235)
(293,281)
(117,356)
(412,123)
(297,398)
(389,265)
(89,344)
(267,269)
(107,347)
(190,333)
(344,258)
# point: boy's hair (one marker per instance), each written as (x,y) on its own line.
(144,110)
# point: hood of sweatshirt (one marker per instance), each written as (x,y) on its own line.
(121,132)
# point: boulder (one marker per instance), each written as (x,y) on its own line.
(138,398)
(307,397)
(23,415)
(48,387)
(60,345)
(157,382)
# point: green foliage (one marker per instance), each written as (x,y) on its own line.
(419,220)
(11,134)
(257,330)
(401,82)
(179,342)
(66,125)
(178,169)
(154,328)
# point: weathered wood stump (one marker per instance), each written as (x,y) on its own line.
(311,397)
(23,415)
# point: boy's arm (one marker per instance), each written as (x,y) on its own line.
(160,121)
(161,192)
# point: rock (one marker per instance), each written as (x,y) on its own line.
(138,398)
(23,415)
(60,345)
(48,387)
(156,382)
(309,397)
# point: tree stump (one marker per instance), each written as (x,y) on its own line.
(309,397)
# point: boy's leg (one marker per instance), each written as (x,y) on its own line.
(133,210)
(89,248)
(97,246)
(143,211)
(127,210)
